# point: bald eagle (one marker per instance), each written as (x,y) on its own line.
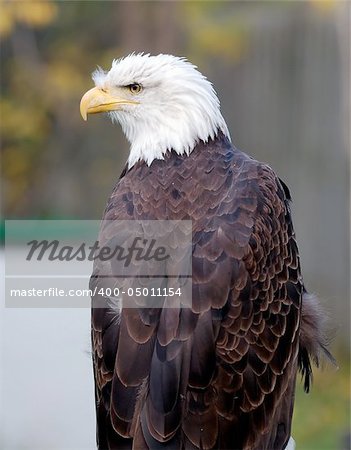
(224,378)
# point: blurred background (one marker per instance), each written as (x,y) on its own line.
(282,73)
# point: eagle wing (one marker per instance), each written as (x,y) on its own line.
(220,374)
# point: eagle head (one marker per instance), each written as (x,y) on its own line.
(162,102)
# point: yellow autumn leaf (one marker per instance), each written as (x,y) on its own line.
(15,161)
(22,120)
(32,13)
(36,14)
(323,6)
(63,80)
(6,20)
(221,41)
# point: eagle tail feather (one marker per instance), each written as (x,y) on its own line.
(313,338)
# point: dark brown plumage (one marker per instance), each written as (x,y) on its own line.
(224,375)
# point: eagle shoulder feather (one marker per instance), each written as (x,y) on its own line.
(220,374)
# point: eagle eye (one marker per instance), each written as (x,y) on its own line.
(135,88)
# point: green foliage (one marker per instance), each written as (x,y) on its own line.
(216,33)
(31,13)
(322,417)
(50,48)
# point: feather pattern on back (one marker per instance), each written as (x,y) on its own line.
(220,375)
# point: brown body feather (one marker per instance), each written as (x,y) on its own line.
(222,374)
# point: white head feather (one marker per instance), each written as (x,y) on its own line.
(177,106)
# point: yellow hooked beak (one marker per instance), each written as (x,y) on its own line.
(98,100)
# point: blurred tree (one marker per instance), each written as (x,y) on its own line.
(26,12)
(49,48)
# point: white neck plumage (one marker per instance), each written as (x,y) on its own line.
(181,134)
(177,120)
